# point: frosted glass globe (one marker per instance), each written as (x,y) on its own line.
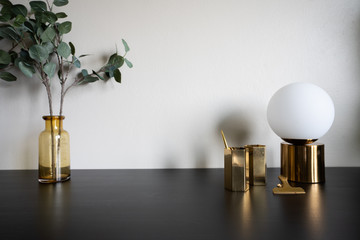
(300,111)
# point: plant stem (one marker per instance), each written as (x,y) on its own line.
(46,81)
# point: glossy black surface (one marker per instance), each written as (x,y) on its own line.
(175,204)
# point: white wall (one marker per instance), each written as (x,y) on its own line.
(199,66)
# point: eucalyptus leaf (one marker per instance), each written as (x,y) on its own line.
(5,57)
(39,31)
(126,46)
(26,70)
(7,76)
(38,6)
(50,69)
(24,54)
(49,47)
(60,3)
(98,75)
(19,20)
(6,13)
(116,60)
(64,27)
(84,72)
(128,63)
(76,62)
(38,53)
(5,17)
(61,15)
(5,2)
(84,55)
(90,79)
(64,50)
(48,35)
(19,9)
(72,47)
(109,70)
(29,26)
(117,75)
(46,17)
(9,32)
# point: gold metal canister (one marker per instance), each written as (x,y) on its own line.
(236,169)
(303,163)
(257,164)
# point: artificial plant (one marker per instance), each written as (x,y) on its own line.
(37,47)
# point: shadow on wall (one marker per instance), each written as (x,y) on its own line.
(236,127)
(356,139)
(20,99)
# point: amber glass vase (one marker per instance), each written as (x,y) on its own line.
(54,151)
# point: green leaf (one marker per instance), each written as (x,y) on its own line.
(38,53)
(19,9)
(9,33)
(38,6)
(90,79)
(6,13)
(84,55)
(126,46)
(128,63)
(19,20)
(98,75)
(117,75)
(72,47)
(84,72)
(64,50)
(46,17)
(7,76)
(29,26)
(50,69)
(5,17)
(5,2)
(48,35)
(64,27)
(60,3)
(49,47)
(116,60)
(5,57)
(39,31)
(61,15)
(26,70)
(76,62)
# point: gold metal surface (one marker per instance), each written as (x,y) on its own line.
(303,163)
(236,169)
(224,139)
(257,164)
(299,141)
(285,188)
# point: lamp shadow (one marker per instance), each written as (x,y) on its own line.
(236,127)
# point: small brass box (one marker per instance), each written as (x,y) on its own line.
(236,169)
(257,164)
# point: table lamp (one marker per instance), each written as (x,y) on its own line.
(300,113)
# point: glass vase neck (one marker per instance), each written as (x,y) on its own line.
(55,121)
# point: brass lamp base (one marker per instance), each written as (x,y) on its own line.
(303,163)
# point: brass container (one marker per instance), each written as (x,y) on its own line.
(257,164)
(303,163)
(54,151)
(236,169)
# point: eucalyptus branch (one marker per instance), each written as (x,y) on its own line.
(40,33)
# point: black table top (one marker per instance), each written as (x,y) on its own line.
(175,204)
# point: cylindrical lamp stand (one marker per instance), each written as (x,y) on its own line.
(303,163)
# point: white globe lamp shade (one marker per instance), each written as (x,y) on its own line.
(300,111)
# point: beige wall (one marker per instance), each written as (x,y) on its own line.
(199,66)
